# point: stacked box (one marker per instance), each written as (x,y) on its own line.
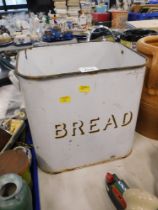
(73,7)
(60,7)
(86,6)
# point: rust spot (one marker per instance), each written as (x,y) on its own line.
(112,157)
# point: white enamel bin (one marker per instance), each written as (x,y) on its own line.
(82,102)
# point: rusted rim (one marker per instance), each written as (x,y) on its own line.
(78,73)
(48,77)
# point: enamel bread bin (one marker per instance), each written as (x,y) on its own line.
(82,102)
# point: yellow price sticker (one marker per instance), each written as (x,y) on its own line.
(84,89)
(65,99)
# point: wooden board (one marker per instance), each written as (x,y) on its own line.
(150,24)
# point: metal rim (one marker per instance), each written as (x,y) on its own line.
(48,77)
(71,74)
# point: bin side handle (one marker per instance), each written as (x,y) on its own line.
(14,79)
(99,27)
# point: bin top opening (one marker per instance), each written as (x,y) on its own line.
(76,58)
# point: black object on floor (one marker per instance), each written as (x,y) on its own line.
(4,80)
(5,67)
